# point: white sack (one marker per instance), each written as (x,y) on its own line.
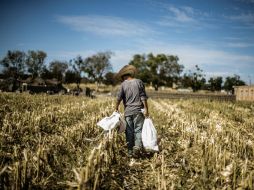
(111,122)
(149,135)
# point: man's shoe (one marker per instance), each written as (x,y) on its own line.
(130,153)
(136,151)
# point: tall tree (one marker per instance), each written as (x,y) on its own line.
(215,83)
(77,65)
(230,82)
(186,80)
(109,78)
(14,66)
(14,63)
(198,80)
(71,77)
(158,69)
(194,79)
(97,65)
(46,73)
(139,61)
(58,69)
(169,68)
(35,62)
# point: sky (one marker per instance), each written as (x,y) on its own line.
(217,35)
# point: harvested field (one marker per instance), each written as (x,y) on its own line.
(52,142)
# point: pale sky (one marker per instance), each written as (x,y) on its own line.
(218,35)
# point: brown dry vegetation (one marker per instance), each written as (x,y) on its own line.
(50,142)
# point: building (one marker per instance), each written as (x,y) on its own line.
(39,85)
(244,93)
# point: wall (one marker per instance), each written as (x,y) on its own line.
(244,93)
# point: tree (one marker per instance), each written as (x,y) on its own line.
(186,81)
(109,78)
(14,66)
(97,66)
(194,79)
(77,68)
(71,77)
(14,63)
(230,82)
(153,65)
(46,73)
(58,69)
(159,70)
(139,61)
(35,62)
(169,68)
(215,83)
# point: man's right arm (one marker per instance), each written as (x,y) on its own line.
(146,112)
(119,98)
(143,97)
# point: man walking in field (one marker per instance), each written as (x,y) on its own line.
(132,92)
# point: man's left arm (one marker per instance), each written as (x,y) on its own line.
(117,105)
(143,97)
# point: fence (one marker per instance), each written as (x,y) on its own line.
(169,95)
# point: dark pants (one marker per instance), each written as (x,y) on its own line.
(134,124)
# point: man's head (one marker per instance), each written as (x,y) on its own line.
(126,77)
(128,71)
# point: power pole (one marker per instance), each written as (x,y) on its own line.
(249,80)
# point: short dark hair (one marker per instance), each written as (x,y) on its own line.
(126,75)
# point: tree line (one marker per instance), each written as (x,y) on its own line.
(165,70)
(156,70)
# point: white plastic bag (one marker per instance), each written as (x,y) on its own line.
(149,135)
(111,122)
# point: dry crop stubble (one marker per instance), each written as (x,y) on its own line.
(224,160)
(53,142)
(52,131)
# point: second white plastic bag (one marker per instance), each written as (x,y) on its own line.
(149,135)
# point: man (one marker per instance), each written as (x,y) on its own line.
(132,92)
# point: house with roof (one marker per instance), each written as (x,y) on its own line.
(38,85)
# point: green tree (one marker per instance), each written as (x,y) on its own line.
(169,68)
(46,73)
(139,61)
(58,69)
(97,66)
(186,80)
(35,62)
(159,70)
(109,78)
(153,70)
(215,83)
(194,79)
(14,67)
(14,63)
(71,76)
(230,82)
(198,80)
(77,65)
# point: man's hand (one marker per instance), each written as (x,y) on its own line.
(146,113)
